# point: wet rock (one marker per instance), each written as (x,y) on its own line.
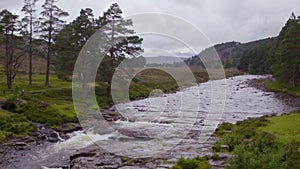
(20,144)
(55,166)
(53,139)
(43,104)
(111,116)
(132,133)
(93,157)
(84,154)
(69,128)
(132,167)
(225,147)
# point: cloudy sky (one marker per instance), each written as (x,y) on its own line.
(219,20)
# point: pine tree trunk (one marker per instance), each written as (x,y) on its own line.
(48,67)
(30,54)
(8,65)
(49,52)
(296,76)
(30,68)
(108,90)
(9,72)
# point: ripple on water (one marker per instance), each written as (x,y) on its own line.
(156,115)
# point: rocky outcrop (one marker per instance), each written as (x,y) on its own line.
(93,157)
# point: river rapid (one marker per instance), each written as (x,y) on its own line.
(157,139)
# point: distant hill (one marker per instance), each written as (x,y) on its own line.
(229,52)
(39,61)
(163,60)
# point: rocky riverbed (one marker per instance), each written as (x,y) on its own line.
(148,133)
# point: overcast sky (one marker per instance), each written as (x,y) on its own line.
(219,20)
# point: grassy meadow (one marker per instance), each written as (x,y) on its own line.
(266,142)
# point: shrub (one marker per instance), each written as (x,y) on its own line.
(192,163)
(12,124)
(10,103)
(45,114)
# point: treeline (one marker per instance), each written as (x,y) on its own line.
(259,58)
(279,56)
(60,43)
(226,51)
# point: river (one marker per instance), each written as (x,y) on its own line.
(155,133)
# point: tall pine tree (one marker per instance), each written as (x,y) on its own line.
(50,25)
(287,62)
(29,23)
(121,41)
(10,28)
(70,41)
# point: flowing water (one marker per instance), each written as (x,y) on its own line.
(168,126)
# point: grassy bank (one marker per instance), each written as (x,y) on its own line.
(266,142)
(53,105)
(283,88)
(277,87)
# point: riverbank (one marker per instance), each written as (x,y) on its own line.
(266,142)
(284,92)
(53,108)
(45,116)
(240,100)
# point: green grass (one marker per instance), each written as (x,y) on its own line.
(282,88)
(285,128)
(265,142)
(52,105)
(12,124)
(192,163)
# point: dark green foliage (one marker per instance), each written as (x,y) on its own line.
(279,56)
(10,103)
(242,131)
(264,153)
(224,50)
(283,88)
(258,155)
(121,42)
(9,29)
(192,163)
(51,23)
(258,60)
(256,55)
(28,28)
(286,66)
(70,41)
(253,148)
(12,124)
(222,128)
(43,113)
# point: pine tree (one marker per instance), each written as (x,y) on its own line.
(287,62)
(121,42)
(70,41)
(10,27)
(51,24)
(28,29)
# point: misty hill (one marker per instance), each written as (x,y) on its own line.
(230,52)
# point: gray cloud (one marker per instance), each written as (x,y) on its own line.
(219,20)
